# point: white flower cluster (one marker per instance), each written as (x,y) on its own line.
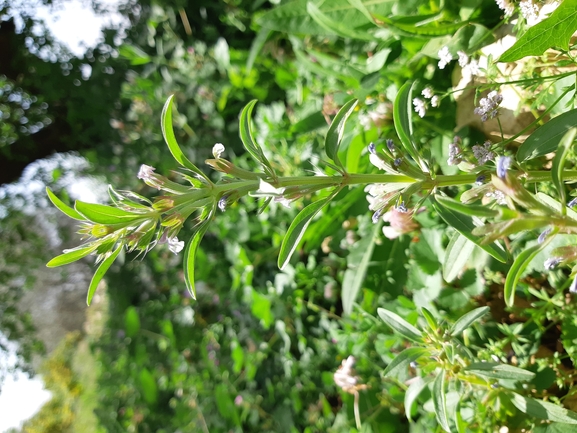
(420,106)
(529,10)
(488,107)
(507,6)
(379,116)
(470,68)
(445,57)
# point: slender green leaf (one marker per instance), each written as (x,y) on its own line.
(464,225)
(336,27)
(359,5)
(248,140)
(495,370)
(99,274)
(337,130)
(71,256)
(400,325)
(405,27)
(170,139)
(298,227)
(467,209)
(402,113)
(257,44)
(412,393)
(401,362)
(467,320)
(457,254)
(190,256)
(102,214)
(546,138)
(430,319)
(559,164)
(543,410)
(357,269)
(63,207)
(440,401)
(554,204)
(555,31)
(148,386)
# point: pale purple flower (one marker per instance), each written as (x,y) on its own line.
(238,400)
(420,107)
(543,236)
(455,156)
(573,287)
(445,57)
(372,148)
(488,107)
(390,144)
(552,263)
(147,174)
(483,152)
(572,202)
(503,164)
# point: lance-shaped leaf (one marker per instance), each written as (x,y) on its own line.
(400,325)
(402,115)
(190,255)
(543,410)
(298,228)
(546,138)
(63,207)
(519,266)
(494,370)
(170,139)
(431,321)
(467,320)
(402,361)
(336,27)
(440,401)
(464,224)
(559,164)
(412,393)
(457,254)
(102,214)
(99,274)
(554,31)
(467,209)
(248,140)
(337,130)
(71,256)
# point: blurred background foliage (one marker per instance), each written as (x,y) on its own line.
(258,350)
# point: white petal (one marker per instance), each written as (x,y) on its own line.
(217,150)
(175,245)
(267,188)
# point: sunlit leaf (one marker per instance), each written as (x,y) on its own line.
(337,130)
(400,325)
(71,256)
(102,214)
(493,370)
(248,140)
(412,393)
(99,274)
(190,256)
(63,207)
(402,361)
(456,256)
(440,401)
(336,27)
(467,320)
(543,410)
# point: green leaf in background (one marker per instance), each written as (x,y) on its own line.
(412,393)
(337,130)
(555,31)
(298,227)
(102,214)
(400,325)
(457,254)
(495,370)
(357,264)
(559,164)
(148,386)
(190,255)
(336,27)
(400,364)
(248,140)
(414,25)
(547,137)
(467,320)
(469,38)
(131,321)
(64,208)
(464,225)
(170,139)
(554,428)
(543,410)
(134,54)
(256,47)
(440,401)
(225,404)
(71,256)
(99,274)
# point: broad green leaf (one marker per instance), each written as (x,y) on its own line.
(63,207)
(517,269)
(467,320)
(102,214)
(336,27)
(559,164)
(298,227)
(337,130)
(170,139)
(190,256)
(316,68)
(71,256)
(102,269)
(412,393)
(293,18)
(401,362)
(400,325)
(440,401)
(457,254)
(546,138)
(248,140)
(543,410)
(555,31)
(467,209)
(464,225)
(148,386)
(493,370)
(355,274)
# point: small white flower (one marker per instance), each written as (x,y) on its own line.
(473,68)
(435,101)
(267,188)
(463,58)
(445,57)
(175,245)
(344,377)
(145,172)
(529,10)
(427,92)
(217,150)
(420,107)
(377,161)
(507,6)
